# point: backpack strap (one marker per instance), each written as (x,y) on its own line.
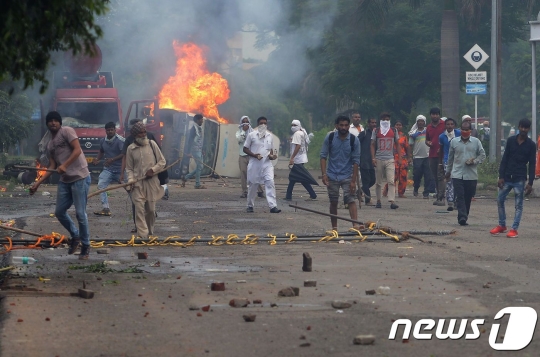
(331,138)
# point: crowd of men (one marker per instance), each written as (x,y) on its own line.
(378,155)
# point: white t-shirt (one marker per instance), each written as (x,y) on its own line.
(354,131)
(299,138)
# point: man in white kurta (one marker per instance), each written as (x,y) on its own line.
(144,159)
(259,147)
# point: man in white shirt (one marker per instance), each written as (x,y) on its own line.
(243,130)
(259,146)
(355,128)
(300,142)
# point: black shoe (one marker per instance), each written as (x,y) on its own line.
(85,252)
(378,205)
(275,210)
(415,193)
(394,206)
(249,210)
(260,194)
(463,222)
(287,199)
(450,208)
(425,197)
(75,242)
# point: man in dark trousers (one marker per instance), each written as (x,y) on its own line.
(367,171)
(520,150)
(433,131)
(465,153)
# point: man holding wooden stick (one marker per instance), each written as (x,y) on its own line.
(144,159)
(66,157)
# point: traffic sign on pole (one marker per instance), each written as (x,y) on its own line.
(476,56)
(477,77)
(476,89)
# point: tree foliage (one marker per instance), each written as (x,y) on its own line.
(30,30)
(15,113)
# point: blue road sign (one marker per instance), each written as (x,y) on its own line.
(476,88)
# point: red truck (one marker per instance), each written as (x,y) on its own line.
(87,100)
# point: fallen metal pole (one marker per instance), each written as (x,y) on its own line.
(327,214)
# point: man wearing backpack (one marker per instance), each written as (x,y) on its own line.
(384,142)
(342,150)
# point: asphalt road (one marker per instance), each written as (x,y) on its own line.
(467,275)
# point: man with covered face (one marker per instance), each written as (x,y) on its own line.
(384,142)
(259,146)
(144,159)
(243,159)
(300,142)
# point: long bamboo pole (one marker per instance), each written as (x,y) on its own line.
(20,231)
(327,214)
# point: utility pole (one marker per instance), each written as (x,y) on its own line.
(494,133)
(499,79)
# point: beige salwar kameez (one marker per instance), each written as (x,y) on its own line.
(145,193)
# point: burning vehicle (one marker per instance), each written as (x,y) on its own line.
(87,100)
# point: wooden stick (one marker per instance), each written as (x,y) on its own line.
(181,156)
(20,231)
(327,214)
(33,168)
(214,171)
(115,187)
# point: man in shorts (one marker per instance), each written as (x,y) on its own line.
(342,150)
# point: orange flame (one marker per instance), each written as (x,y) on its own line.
(39,173)
(194,88)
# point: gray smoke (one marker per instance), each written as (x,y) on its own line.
(138,35)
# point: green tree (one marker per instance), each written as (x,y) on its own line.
(30,30)
(15,113)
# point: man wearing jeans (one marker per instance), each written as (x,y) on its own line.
(519,151)
(465,154)
(111,149)
(66,157)
(195,150)
(343,151)
(444,142)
